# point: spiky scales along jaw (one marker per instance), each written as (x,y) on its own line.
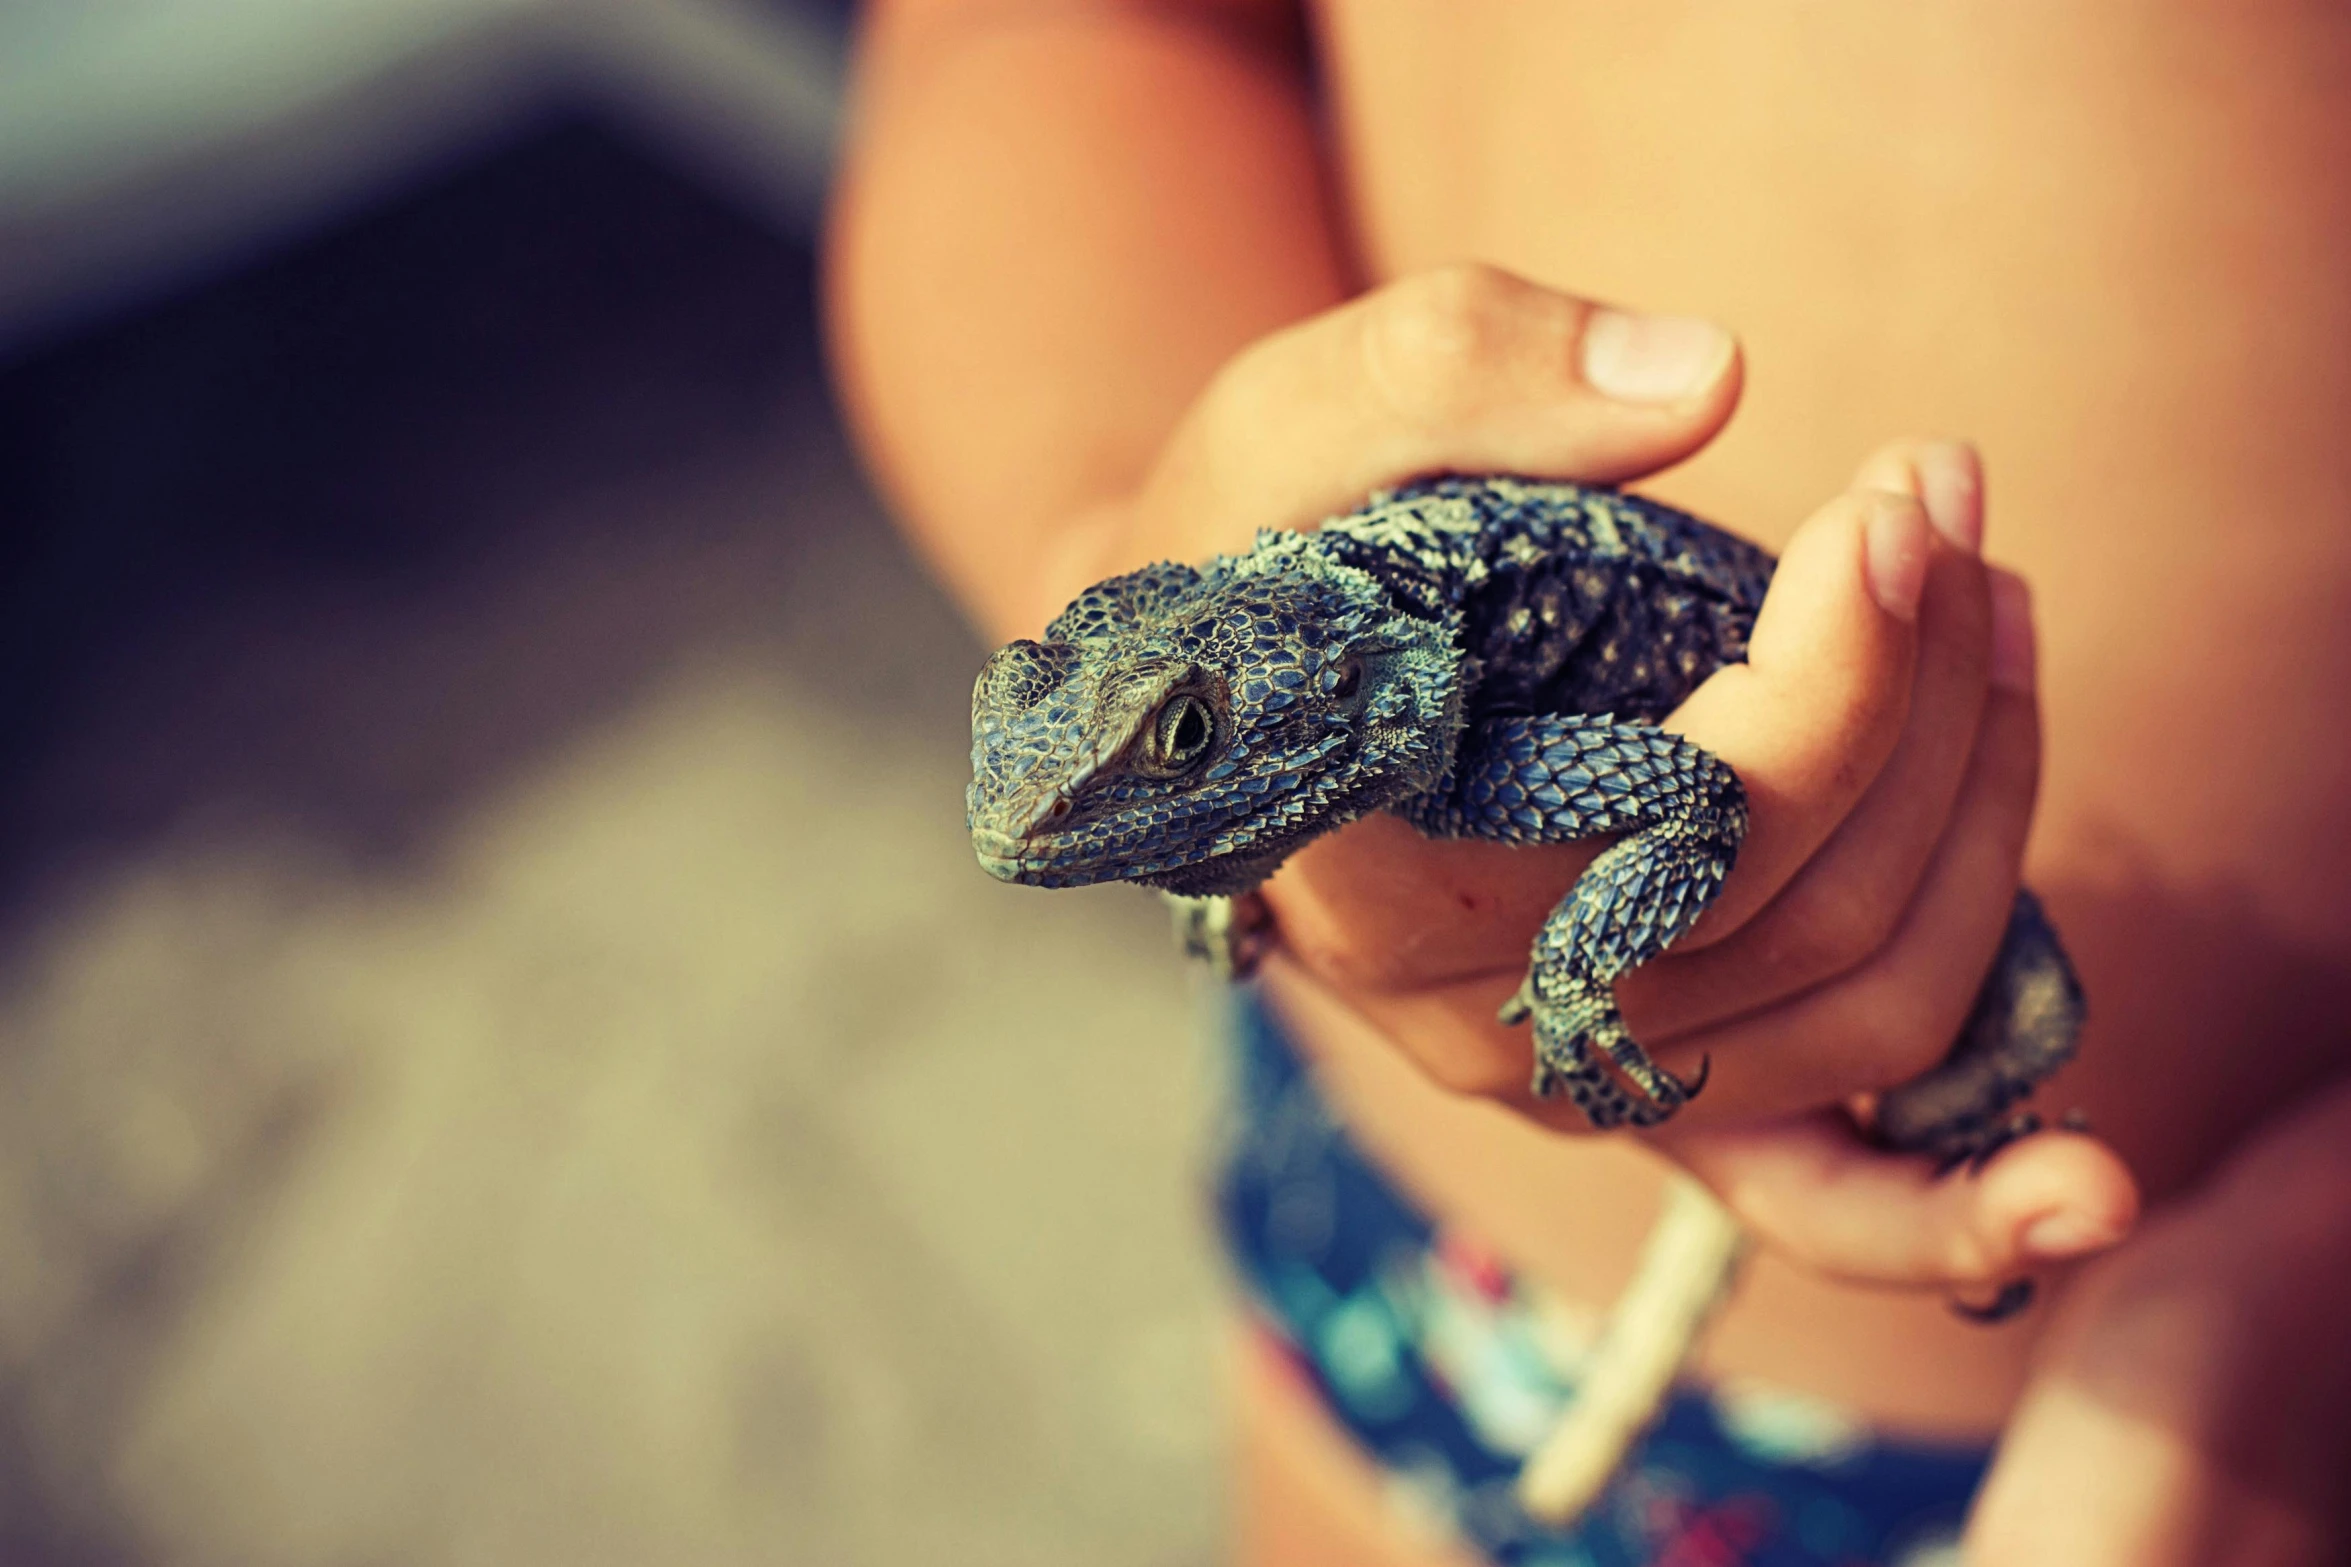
(1188,729)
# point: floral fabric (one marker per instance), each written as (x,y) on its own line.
(1448,1372)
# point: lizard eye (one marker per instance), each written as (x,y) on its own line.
(1350,679)
(1180,734)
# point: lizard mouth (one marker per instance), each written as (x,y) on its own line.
(1065,861)
(1002,855)
(1036,861)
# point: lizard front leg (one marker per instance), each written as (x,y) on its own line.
(1230,934)
(1552,779)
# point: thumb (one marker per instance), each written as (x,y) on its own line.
(1464,369)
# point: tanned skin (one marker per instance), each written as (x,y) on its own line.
(1100,298)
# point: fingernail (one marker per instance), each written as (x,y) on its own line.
(2015,656)
(1895,544)
(2054,1237)
(1652,359)
(1951,483)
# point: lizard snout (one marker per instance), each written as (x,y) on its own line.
(1018,835)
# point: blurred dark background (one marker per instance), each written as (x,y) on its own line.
(504,1055)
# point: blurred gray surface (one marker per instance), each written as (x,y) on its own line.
(505,1056)
(145,144)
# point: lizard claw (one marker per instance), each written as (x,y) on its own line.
(1667,1094)
(2014,1296)
(1520,1006)
(1692,1088)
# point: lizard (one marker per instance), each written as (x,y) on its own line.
(1486,657)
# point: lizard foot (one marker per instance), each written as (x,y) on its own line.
(1564,1069)
(1230,935)
(1603,1103)
(1664,1092)
(1566,1032)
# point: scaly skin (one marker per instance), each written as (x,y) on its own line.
(1488,658)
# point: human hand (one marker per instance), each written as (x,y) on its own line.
(1884,727)
(2190,1404)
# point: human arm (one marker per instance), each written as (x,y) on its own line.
(1055,223)
(2191,1403)
(1093,311)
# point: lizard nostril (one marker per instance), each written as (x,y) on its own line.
(1060,809)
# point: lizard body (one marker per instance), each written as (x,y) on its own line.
(1488,658)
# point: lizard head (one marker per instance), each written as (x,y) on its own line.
(1189,728)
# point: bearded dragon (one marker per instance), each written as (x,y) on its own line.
(1486,658)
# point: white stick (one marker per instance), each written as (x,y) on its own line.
(1686,1271)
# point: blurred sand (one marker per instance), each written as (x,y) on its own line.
(505,1056)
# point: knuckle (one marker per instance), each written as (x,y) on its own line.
(1972,1257)
(1458,292)
(1432,342)
(1232,414)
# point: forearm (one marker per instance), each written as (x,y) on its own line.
(2189,1405)
(1055,222)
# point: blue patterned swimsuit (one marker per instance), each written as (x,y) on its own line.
(1447,1373)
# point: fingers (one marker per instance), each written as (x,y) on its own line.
(1431,937)
(1894,1015)
(1890,1016)
(1811,718)
(1377,907)
(1815,1189)
(1813,1186)
(1466,369)
(1948,476)
(1806,724)
(1845,901)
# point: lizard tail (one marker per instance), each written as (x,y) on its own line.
(1686,1270)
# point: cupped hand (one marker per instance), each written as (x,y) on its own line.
(1884,725)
